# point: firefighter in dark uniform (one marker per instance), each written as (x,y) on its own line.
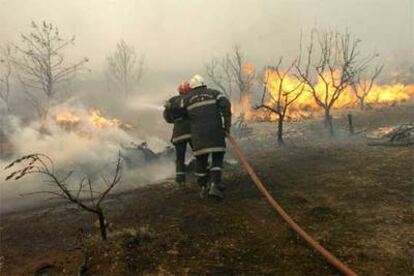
(181,136)
(209,112)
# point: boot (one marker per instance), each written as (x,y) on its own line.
(181,185)
(203,182)
(180,181)
(216,191)
(204,191)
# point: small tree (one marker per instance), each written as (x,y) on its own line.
(338,62)
(125,68)
(279,102)
(362,87)
(43,165)
(42,66)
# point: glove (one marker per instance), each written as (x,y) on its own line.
(167,105)
(227,129)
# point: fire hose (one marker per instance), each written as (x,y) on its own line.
(292,224)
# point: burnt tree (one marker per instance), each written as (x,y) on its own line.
(85,196)
(337,62)
(125,68)
(280,101)
(42,66)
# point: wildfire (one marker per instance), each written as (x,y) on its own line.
(248,69)
(305,105)
(92,119)
(67,117)
(390,93)
(96,119)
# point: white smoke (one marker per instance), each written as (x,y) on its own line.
(87,150)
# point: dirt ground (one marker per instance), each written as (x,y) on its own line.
(356,200)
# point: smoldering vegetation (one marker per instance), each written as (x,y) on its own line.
(91,154)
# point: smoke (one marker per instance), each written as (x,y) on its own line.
(85,148)
(183,35)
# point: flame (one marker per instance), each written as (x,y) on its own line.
(305,105)
(248,68)
(390,93)
(96,119)
(92,119)
(244,108)
(67,117)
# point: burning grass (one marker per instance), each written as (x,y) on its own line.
(305,106)
(70,120)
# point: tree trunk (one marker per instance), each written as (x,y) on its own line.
(328,122)
(280,140)
(102,225)
(362,104)
(350,124)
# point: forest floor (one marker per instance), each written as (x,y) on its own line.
(356,200)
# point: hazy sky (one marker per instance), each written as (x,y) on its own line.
(183,34)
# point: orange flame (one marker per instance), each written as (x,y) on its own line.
(305,105)
(248,68)
(94,118)
(67,117)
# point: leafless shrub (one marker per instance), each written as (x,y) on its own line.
(42,164)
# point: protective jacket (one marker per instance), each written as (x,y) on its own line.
(209,112)
(175,114)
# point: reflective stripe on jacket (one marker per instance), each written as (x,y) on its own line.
(209,113)
(175,114)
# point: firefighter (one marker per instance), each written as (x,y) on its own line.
(209,112)
(181,136)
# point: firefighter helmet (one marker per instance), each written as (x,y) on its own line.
(196,81)
(184,87)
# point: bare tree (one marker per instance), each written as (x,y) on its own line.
(279,102)
(42,66)
(362,87)
(229,73)
(125,68)
(219,73)
(5,76)
(43,165)
(338,62)
(243,79)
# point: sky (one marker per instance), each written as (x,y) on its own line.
(182,35)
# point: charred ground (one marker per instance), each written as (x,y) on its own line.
(355,199)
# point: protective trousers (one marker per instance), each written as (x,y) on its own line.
(180,149)
(203,173)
